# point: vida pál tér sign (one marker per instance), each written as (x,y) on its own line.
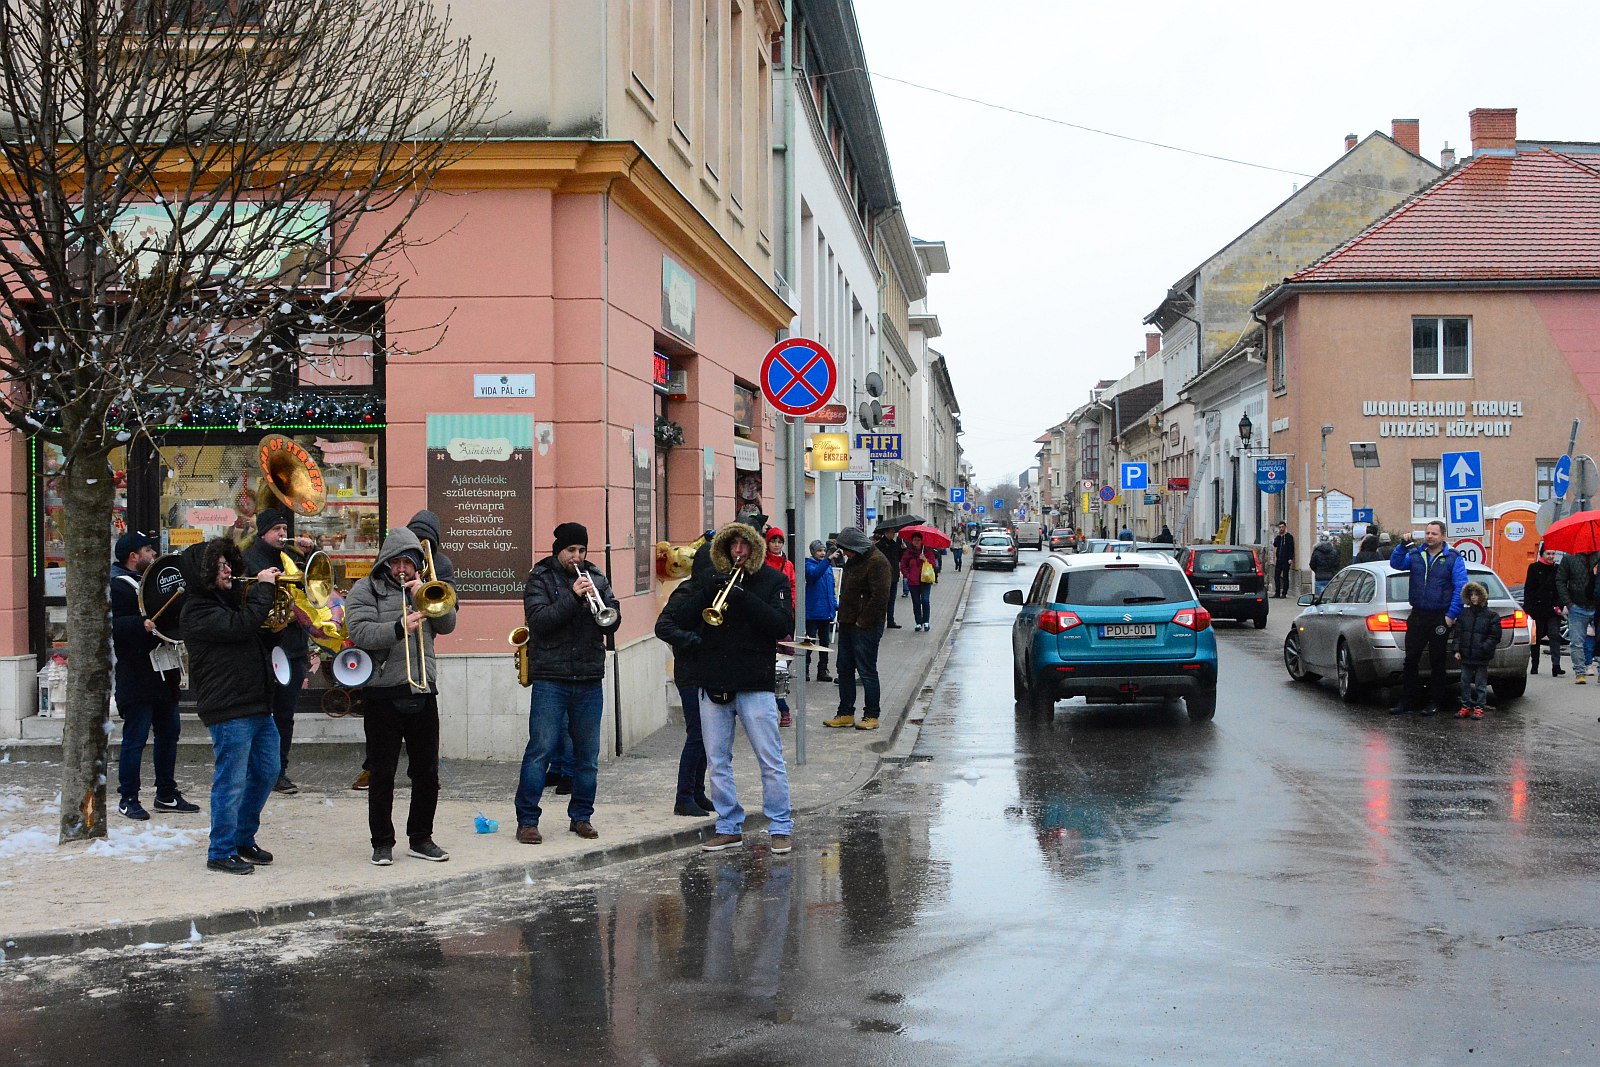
(1443,418)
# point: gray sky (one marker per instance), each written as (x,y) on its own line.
(1061,241)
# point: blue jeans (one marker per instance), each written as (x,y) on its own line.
(247,768)
(858,654)
(141,714)
(1474,684)
(561,761)
(555,708)
(759,713)
(919,604)
(1578,620)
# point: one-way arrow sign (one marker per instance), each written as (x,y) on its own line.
(1463,470)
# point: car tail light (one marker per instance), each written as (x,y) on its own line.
(1256,560)
(1384,623)
(1195,619)
(1516,620)
(1188,564)
(1052,621)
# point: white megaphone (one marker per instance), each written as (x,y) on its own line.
(280,666)
(352,667)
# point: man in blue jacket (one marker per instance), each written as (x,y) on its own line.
(1438,574)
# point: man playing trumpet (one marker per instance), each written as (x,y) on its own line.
(569,609)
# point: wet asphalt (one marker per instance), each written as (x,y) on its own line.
(1299,881)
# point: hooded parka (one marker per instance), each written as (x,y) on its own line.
(740,655)
(372,617)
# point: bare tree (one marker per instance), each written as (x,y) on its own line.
(184,183)
(1009,494)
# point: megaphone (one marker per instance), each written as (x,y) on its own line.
(280,666)
(352,667)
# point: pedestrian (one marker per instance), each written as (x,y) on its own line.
(890,547)
(230,679)
(958,548)
(1324,563)
(276,546)
(690,799)
(1575,590)
(1543,605)
(917,569)
(737,670)
(1165,536)
(1476,636)
(779,562)
(1438,574)
(1369,550)
(146,680)
(822,605)
(1125,534)
(401,697)
(567,659)
(1283,560)
(865,585)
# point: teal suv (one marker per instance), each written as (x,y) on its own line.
(1116,628)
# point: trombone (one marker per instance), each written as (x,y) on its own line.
(717,613)
(435,599)
(605,616)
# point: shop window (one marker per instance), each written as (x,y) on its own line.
(1424,489)
(1280,359)
(745,406)
(1544,479)
(52,534)
(1441,348)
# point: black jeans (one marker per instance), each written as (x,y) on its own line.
(1549,628)
(1280,580)
(692,761)
(820,631)
(386,729)
(1425,632)
(858,654)
(284,700)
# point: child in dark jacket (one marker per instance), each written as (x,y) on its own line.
(1476,636)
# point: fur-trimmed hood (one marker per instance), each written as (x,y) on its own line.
(723,561)
(1475,588)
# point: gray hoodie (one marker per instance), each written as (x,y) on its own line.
(372,614)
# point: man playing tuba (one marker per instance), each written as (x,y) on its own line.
(273,543)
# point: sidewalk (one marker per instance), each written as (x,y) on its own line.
(147,883)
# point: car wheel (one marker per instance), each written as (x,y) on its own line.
(1350,688)
(1510,686)
(1042,698)
(1261,622)
(1019,688)
(1292,659)
(1202,706)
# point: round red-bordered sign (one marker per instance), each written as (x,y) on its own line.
(798,376)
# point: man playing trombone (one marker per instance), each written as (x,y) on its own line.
(569,609)
(390,615)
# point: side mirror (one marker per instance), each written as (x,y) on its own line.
(1013,596)
(1306,601)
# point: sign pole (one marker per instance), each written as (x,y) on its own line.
(799,554)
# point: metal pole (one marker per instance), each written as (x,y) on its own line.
(797,497)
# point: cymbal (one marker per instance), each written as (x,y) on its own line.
(805,646)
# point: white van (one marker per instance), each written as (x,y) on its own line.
(1030,535)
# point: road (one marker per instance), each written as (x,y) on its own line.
(1299,881)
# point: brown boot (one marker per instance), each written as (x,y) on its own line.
(529,835)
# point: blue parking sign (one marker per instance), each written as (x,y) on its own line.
(980,509)
(1135,476)
(958,495)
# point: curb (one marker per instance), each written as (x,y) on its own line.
(897,749)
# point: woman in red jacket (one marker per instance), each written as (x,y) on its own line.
(911,570)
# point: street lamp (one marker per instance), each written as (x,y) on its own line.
(1246,431)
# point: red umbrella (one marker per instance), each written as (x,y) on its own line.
(932,537)
(1575,533)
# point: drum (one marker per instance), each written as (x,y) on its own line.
(160,590)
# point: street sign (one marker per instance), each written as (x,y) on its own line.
(999,502)
(1088,485)
(1135,475)
(1462,470)
(1107,493)
(980,509)
(1363,515)
(958,496)
(966,507)
(1471,549)
(798,376)
(829,415)
(879,445)
(1272,474)
(1561,479)
(1465,512)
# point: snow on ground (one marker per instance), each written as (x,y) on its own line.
(23,840)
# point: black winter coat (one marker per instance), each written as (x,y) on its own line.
(1476,635)
(260,556)
(1575,580)
(1539,596)
(740,655)
(1324,561)
(230,666)
(564,642)
(135,679)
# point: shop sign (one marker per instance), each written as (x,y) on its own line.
(502,386)
(644,553)
(661,372)
(480,484)
(183,536)
(831,415)
(358,568)
(210,516)
(879,445)
(677,299)
(1175,485)
(1272,474)
(744,410)
(888,416)
(1443,418)
(830,451)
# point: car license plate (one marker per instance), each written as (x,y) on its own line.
(1128,629)
(1215,588)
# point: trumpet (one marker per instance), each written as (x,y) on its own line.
(281,613)
(717,613)
(435,599)
(519,641)
(605,616)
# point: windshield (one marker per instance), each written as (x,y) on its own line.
(1400,586)
(1117,586)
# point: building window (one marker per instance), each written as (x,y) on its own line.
(1544,479)
(1441,348)
(683,68)
(712,72)
(736,115)
(644,31)
(1280,359)
(1424,489)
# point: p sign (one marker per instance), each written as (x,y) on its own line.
(1465,511)
(1135,476)
(1471,550)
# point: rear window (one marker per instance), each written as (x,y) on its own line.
(1224,561)
(1400,586)
(1117,586)
(995,540)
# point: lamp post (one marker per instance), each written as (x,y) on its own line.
(1326,430)
(1246,431)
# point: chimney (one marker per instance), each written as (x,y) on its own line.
(1407,133)
(1494,131)
(1447,157)
(1349,141)
(1152,344)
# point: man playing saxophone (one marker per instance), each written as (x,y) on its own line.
(569,609)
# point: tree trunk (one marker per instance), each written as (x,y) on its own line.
(87,500)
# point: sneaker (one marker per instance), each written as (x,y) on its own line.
(255,855)
(689,808)
(785,719)
(780,844)
(132,809)
(1580,678)
(824,676)
(284,786)
(840,721)
(718,842)
(382,855)
(231,865)
(177,803)
(363,781)
(868,723)
(427,850)
(1464,712)
(1477,713)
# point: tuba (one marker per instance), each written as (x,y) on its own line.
(519,641)
(292,475)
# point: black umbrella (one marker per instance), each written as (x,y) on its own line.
(897,522)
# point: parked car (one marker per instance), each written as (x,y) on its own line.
(995,548)
(1030,535)
(1106,544)
(1355,631)
(1063,539)
(1113,628)
(1229,581)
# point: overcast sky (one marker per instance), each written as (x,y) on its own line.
(1062,241)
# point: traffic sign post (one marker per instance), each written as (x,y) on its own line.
(1465,512)
(1107,493)
(980,509)
(1363,515)
(1471,550)
(1461,471)
(1561,478)
(798,377)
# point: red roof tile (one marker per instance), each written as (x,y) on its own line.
(1530,216)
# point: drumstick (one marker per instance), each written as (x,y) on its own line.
(167,605)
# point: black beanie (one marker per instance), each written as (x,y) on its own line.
(266,520)
(569,534)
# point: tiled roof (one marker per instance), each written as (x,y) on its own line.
(1531,216)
